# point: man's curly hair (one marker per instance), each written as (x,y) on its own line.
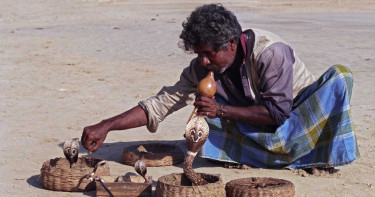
(210,24)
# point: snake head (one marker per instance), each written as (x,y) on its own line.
(196,133)
(71,148)
(140,167)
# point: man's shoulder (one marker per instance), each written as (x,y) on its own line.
(194,65)
(195,69)
(261,34)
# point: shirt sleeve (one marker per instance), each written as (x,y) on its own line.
(171,98)
(276,80)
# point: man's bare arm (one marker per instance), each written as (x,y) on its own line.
(93,136)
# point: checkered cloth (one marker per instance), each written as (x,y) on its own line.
(318,133)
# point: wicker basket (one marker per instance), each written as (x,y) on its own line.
(154,155)
(57,175)
(258,186)
(178,185)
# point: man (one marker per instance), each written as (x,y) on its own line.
(268,111)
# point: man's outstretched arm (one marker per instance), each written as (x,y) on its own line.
(93,136)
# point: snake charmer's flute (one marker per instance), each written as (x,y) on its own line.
(206,87)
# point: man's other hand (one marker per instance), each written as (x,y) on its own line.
(206,106)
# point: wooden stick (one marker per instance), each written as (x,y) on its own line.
(192,114)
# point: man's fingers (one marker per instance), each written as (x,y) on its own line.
(91,144)
(201,104)
(208,114)
(206,105)
(203,98)
(204,109)
(205,113)
(88,141)
(204,101)
(95,146)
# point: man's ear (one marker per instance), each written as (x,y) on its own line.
(232,44)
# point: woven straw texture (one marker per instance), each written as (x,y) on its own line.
(57,175)
(154,155)
(178,185)
(257,186)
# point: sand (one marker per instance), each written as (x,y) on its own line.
(68,64)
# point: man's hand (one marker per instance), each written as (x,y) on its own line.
(206,106)
(94,136)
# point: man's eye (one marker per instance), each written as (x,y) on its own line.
(209,53)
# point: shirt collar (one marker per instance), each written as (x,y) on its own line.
(243,39)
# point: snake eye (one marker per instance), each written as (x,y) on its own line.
(192,132)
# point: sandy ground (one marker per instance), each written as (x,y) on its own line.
(67,64)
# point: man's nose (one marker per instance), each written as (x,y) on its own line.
(205,61)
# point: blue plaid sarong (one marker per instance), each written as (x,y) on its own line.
(319,131)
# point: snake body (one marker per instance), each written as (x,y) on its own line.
(195,178)
(196,134)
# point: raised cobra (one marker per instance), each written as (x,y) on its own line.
(196,134)
(197,130)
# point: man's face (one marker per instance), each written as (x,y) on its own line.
(218,61)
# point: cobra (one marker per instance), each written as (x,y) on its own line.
(196,134)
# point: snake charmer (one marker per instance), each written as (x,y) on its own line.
(268,111)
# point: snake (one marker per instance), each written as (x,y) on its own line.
(196,133)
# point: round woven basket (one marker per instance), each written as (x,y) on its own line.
(258,186)
(154,155)
(56,174)
(178,185)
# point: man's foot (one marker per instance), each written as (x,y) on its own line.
(320,170)
(237,166)
(231,165)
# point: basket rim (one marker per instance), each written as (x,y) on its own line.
(285,188)
(47,163)
(234,181)
(219,180)
(216,188)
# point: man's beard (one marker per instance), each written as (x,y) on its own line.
(223,69)
(217,69)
